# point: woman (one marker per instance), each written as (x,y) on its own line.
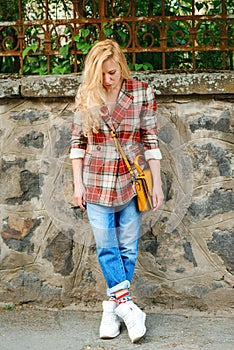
(108,99)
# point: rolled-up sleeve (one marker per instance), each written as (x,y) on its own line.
(153,154)
(78,140)
(149,129)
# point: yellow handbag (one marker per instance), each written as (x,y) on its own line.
(144,187)
(143,181)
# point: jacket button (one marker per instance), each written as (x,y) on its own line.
(98,148)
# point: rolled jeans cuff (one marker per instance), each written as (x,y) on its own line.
(122,285)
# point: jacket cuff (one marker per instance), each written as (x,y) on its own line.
(77,153)
(153,154)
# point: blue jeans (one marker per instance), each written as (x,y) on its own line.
(116,231)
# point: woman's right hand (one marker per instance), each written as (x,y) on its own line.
(79,196)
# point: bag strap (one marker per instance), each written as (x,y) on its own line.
(136,164)
(119,148)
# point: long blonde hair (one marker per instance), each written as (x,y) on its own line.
(91,93)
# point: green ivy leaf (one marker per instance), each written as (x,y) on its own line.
(108,31)
(122,34)
(77,37)
(85,32)
(147,66)
(85,48)
(138,66)
(29,48)
(64,50)
(108,28)
(42,70)
(79,45)
(199,5)
(62,67)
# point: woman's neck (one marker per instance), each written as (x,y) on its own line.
(113,94)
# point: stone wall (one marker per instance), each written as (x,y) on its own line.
(186,250)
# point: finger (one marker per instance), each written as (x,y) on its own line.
(157,204)
(82,206)
(156,208)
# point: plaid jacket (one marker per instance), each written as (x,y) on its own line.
(105,175)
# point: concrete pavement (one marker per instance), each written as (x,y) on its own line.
(40,329)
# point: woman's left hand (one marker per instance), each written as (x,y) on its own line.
(157,196)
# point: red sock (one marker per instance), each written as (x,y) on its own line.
(123,298)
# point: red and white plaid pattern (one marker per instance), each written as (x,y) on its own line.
(105,174)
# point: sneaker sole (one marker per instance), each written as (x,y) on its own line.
(109,337)
(135,340)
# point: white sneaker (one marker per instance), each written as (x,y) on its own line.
(110,323)
(134,319)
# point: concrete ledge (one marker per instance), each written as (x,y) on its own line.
(50,85)
(164,84)
(9,87)
(188,84)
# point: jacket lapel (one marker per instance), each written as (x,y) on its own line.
(122,105)
(107,117)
